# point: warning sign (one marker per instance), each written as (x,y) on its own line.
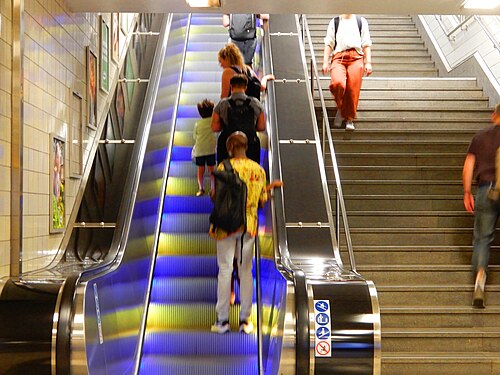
(323,328)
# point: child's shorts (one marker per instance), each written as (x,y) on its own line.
(205,159)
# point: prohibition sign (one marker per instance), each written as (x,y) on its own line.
(323,348)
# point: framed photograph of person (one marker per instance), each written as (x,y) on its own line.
(57,187)
(104,56)
(115,37)
(76,136)
(120,107)
(91,89)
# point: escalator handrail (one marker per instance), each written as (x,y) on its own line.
(282,255)
(65,307)
(326,122)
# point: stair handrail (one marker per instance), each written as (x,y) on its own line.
(327,131)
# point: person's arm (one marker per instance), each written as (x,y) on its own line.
(261,122)
(216,125)
(225,89)
(264,80)
(225,20)
(326,58)
(467,173)
(368,60)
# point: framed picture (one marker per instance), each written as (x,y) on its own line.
(115,37)
(91,89)
(57,195)
(104,56)
(130,74)
(76,136)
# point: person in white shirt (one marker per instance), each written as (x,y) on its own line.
(347,55)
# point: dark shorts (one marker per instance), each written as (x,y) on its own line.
(247,48)
(209,160)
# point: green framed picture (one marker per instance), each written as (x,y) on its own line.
(104,56)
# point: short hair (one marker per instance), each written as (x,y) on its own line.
(497,109)
(205,108)
(237,140)
(239,80)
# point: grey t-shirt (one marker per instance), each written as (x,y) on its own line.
(484,147)
(222,107)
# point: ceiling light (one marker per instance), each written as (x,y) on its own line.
(204,3)
(481,4)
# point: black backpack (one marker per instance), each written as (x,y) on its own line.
(241,117)
(242,26)
(229,212)
(336,23)
(253,85)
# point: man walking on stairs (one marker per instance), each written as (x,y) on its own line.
(480,160)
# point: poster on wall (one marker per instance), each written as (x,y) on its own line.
(120,107)
(91,89)
(104,56)
(115,36)
(76,136)
(56,172)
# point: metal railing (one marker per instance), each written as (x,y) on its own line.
(326,132)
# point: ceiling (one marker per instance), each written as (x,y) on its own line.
(282,6)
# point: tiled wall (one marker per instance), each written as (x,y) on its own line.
(54,68)
(5,116)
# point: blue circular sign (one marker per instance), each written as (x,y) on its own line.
(321,306)
(322,333)
(322,319)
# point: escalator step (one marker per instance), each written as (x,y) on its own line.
(186,266)
(185,223)
(186,244)
(187,204)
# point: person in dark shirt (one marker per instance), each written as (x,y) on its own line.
(480,161)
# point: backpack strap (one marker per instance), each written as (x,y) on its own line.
(227,165)
(336,22)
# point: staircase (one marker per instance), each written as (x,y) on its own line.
(184,292)
(401,176)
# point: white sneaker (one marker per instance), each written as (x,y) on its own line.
(246,327)
(337,122)
(349,125)
(220,327)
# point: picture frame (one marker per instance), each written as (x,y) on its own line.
(120,106)
(91,89)
(115,37)
(76,136)
(104,55)
(57,184)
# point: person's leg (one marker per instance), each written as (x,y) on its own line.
(245,256)
(486,214)
(338,76)
(212,180)
(201,174)
(225,255)
(353,85)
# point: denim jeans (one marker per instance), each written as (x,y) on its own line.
(486,213)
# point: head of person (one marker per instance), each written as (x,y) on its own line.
(237,144)
(496,115)
(230,55)
(238,82)
(205,108)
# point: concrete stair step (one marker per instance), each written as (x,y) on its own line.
(410,219)
(432,340)
(396,172)
(424,274)
(410,135)
(416,125)
(416,203)
(444,363)
(433,295)
(414,95)
(411,84)
(400,159)
(318,33)
(399,187)
(416,236)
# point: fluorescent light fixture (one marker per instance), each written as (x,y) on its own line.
(481,4)
(204,3)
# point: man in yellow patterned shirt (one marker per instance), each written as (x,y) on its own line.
(232,245)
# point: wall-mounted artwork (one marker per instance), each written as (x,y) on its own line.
(120,107)
(56,172)
(104,56)
(76,136)
(115,36)
(91,88)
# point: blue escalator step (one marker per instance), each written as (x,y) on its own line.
(196,343)
(186,266)
(181,153)
(183,289)
(185,223)
(241,365)
(187,204)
